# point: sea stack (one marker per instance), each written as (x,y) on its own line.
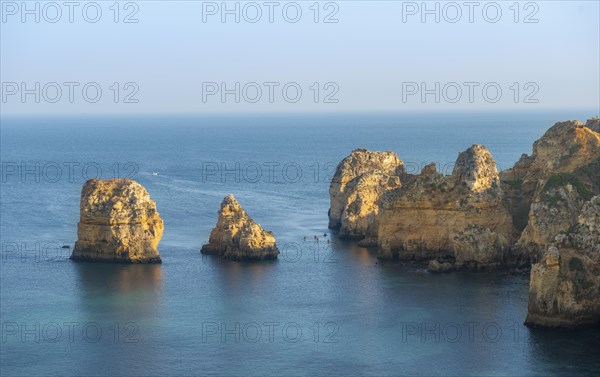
(359,181)
(118,223)
(236,236)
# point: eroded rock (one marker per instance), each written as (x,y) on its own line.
(354,197)
(564,289)
(118,223)
(475,218)
(460,216)
(554,210)
(553,183)
(565,147)
(236,236)
(440,267)
(476,168)
(359,217)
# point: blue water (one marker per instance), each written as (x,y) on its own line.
(320,309)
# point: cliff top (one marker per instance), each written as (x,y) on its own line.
(563,148)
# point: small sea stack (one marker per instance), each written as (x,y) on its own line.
(236,236)
(118,223)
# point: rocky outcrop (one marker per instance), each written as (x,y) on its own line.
(475,218)
(546,190)
(460,217)
(593,124)
(565,147)
(359,180)
(476,169)
(118,223)
(361,204)
(435,266)
(545,209)
(236,236)
(564,289)
(555,209)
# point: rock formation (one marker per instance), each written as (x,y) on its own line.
(118,223)
(236,236)
(547,190)
(541,210)
(458,218)
(564,289)
(359,180)
(593,124)
(361,204)
(432,216)
(563,148)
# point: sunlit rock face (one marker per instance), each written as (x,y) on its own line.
(359,217)
(564,289)
(458,218)
(547,190)
(236,236)
(118,223)
(563,148)
(359,181)
(476,168)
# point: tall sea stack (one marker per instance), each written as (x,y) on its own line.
(118,223)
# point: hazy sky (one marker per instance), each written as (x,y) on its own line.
(378,56)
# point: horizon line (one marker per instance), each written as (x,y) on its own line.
(293,113)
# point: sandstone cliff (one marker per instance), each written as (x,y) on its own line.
(236,236)
(118,223)
(563,148)
(359,217)
(546,190)
(458,218)
(359,180)
(564,288)
(546,208)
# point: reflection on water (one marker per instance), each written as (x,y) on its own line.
(363,255)
(125,301)
(123,290)
(562,349)
(233,275)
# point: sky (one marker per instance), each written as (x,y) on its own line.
(193,57)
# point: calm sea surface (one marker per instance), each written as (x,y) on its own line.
(320,309)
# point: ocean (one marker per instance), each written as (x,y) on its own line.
(322,308)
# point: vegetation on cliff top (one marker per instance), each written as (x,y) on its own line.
(562,179)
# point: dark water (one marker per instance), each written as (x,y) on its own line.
(321,309)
